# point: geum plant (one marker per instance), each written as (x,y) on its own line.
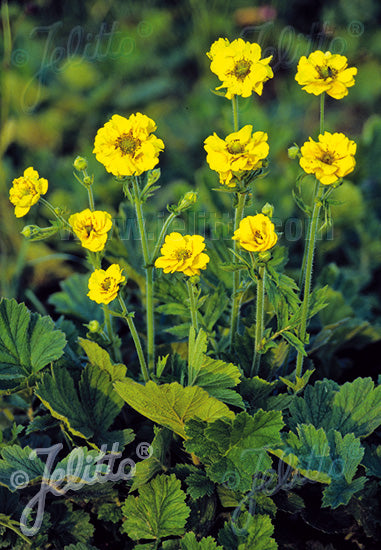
(225,404)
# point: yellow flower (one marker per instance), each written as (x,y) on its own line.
(240,67)
(127,147)
(240,152)
(104,285)
(256,233)
(91,228)
(183,254)
(325,72)
(331,158)
(26,191)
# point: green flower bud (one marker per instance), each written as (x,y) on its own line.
(80,164)
(36,233)
(264,256)
(94,326)
(293,152)
(187,201)
(28,231)
(268,210)
(87,180)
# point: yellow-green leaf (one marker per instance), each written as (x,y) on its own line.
(172,405)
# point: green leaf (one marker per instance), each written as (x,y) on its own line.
(326,458)
(256,391)
(372,460)
(217,377)
(307,452)
(358,407)
(216,304)
(159,510)
(189,542)
(99,357)
(21,466)
(300,381)
(87,411)
(199,485)
(245,532)
(316,406)
(180,331)
(340,493)
(354,407)
(146,469)
(234,450)
(259,536)
(171,405)
(73,300)
(196,352)
(28,342)
(294,341)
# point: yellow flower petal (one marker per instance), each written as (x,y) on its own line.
(329,159)
(325,72)
(182,253)
(26,191)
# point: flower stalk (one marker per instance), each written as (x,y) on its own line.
(259,320)
(149,276)
(128,317)
(238,215)
(308,276)
(192,290)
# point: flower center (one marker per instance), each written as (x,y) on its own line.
(88,228)
(327,158)
(27,189)
(235,147)
(182,254)
(258,237)
(242,69)
(106,284)
(326,72)
(127,144)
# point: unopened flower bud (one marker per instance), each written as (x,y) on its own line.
(27,231)
(293,152)
(94,326)
(268,210)
(80,164)
(36,233)
(87,180)
(264,256)
(187,201)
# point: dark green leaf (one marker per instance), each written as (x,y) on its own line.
(28,342)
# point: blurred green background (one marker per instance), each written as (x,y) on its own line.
(68,66)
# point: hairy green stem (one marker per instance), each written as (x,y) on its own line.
(308,275)
(163,232)
(259,319)
(322,112)
(235,113)
(53,211)
(238,215)
(111,334)
(317,183)
(193,305)
(149,277)
(309,250)
(135,336)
